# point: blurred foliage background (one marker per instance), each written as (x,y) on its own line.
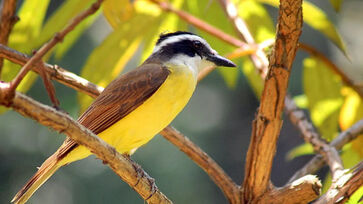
(219,116)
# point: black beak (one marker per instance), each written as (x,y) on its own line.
(220,61)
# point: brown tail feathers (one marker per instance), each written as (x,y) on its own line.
(44,172)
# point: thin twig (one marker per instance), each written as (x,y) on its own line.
(58,37)
(128,170)
(341,189)
(329,153)
(7,22)
(49,86)
(343,138)
(202,25)
(57,73)
(314,52)
(223,181)
(259,58)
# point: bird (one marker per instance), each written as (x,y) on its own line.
(137,105)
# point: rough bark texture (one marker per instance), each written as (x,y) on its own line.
(267,125)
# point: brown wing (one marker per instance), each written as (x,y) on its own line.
(119,98)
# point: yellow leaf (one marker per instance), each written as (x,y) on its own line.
(301,150)
(318,20)
(118,11)
(350,113)
(322,89)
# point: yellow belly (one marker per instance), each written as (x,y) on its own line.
(142,124)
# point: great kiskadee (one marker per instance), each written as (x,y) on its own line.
(134,107)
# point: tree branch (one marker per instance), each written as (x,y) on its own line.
(302,190)
(57,73)
(329,153)
(223,181)
(7,22)
(344,187)
(343,138)
(58,37)
(268,121)
(184,144)
(128,170)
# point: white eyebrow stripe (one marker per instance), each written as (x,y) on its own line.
(177,38)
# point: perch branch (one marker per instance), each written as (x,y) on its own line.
(128,170)
(7,21)
(82,85)
(344,187)
(343,138)
(58,37)
(223,181)
(329,153)
(303,190)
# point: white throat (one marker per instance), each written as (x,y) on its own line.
(194,64)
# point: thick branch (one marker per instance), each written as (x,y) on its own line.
(302,190)
(344,187)
(128,170)
(268,121)
(223,181)
(7,21)
(329,153)
(343,138)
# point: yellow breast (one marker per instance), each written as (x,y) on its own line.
(142,124)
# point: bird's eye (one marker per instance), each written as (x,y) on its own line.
(197,44)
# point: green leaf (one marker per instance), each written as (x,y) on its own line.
(262,28)
(322,88)
(301,101)
(254,79)
(24,38)
(303,149)
(258,20)
(211,12)
(73,36)
(337,4)
(109,59)
(317,19)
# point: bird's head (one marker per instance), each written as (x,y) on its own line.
(185,48)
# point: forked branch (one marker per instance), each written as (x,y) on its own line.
(267,123)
